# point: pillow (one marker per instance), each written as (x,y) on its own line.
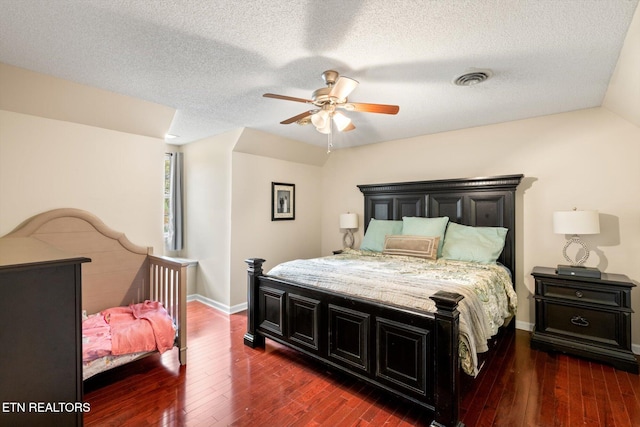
(379,228)
(433,227)
(417,246)
(478,244)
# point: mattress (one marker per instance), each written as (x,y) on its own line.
(110,361)
(489,297)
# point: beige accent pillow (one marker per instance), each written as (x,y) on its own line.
(417,246)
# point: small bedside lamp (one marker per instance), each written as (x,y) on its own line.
(349,222)
(576,222)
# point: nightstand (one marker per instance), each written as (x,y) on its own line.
(584,316)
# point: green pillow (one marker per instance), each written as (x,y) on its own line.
(478,244)
(432,227)
(376,232)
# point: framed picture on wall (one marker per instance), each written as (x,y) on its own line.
(283,201)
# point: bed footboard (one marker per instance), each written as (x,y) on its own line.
(168,284)
(411,354)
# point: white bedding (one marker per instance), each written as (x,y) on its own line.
(488,292)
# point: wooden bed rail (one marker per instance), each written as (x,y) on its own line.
(168,284)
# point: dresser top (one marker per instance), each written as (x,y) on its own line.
(25,251)
(618,279)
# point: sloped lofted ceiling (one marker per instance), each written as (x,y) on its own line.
(212,60)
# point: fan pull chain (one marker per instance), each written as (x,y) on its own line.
(330,136)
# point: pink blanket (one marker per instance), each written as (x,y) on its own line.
(122,330)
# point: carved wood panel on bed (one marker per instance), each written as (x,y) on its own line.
(482,202)
(410,353)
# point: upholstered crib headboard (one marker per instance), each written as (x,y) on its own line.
(118,273)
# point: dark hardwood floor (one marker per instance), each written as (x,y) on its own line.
(227,383)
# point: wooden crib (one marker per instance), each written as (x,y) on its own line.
(120,273)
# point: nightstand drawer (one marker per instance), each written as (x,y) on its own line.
(580,292)
(598,326)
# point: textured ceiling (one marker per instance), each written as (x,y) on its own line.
(212,60)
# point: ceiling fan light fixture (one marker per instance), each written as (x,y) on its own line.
(320,119)
(326,129)
(304,121)
(328,100)
(341,121)
(343,87)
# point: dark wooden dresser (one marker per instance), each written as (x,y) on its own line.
(41,335)
(584,316)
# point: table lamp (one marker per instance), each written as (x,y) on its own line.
(349,222)
(575,223)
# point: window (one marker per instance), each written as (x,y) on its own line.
(173,224)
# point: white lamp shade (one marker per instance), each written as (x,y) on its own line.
(320,119)
(349,220)
(343,87)
(341,121)
(576,222)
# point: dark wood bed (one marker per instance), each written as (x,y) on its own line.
(411,354)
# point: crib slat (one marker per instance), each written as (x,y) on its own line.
(168,284)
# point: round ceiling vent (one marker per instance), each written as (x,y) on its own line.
(472,77)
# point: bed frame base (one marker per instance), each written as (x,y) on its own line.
(410,354)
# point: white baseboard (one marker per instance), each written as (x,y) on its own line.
(217,305)
(525,326)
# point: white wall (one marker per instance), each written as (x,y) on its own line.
(47,164)
(586,159)
(207,186)
(228,216)
(253,232)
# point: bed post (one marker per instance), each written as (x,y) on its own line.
(447,371)
(252,338)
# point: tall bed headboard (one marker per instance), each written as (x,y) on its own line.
(483,202)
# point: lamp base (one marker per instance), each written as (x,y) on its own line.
(579,271)
(348,240)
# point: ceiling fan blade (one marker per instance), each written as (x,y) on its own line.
(287,98)
(343,87)
(372,108)
(296,118)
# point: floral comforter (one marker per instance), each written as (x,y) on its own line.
(488,292)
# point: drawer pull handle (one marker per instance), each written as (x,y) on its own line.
(579,294)
(579,321)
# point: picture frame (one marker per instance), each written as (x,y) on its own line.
(283,201)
